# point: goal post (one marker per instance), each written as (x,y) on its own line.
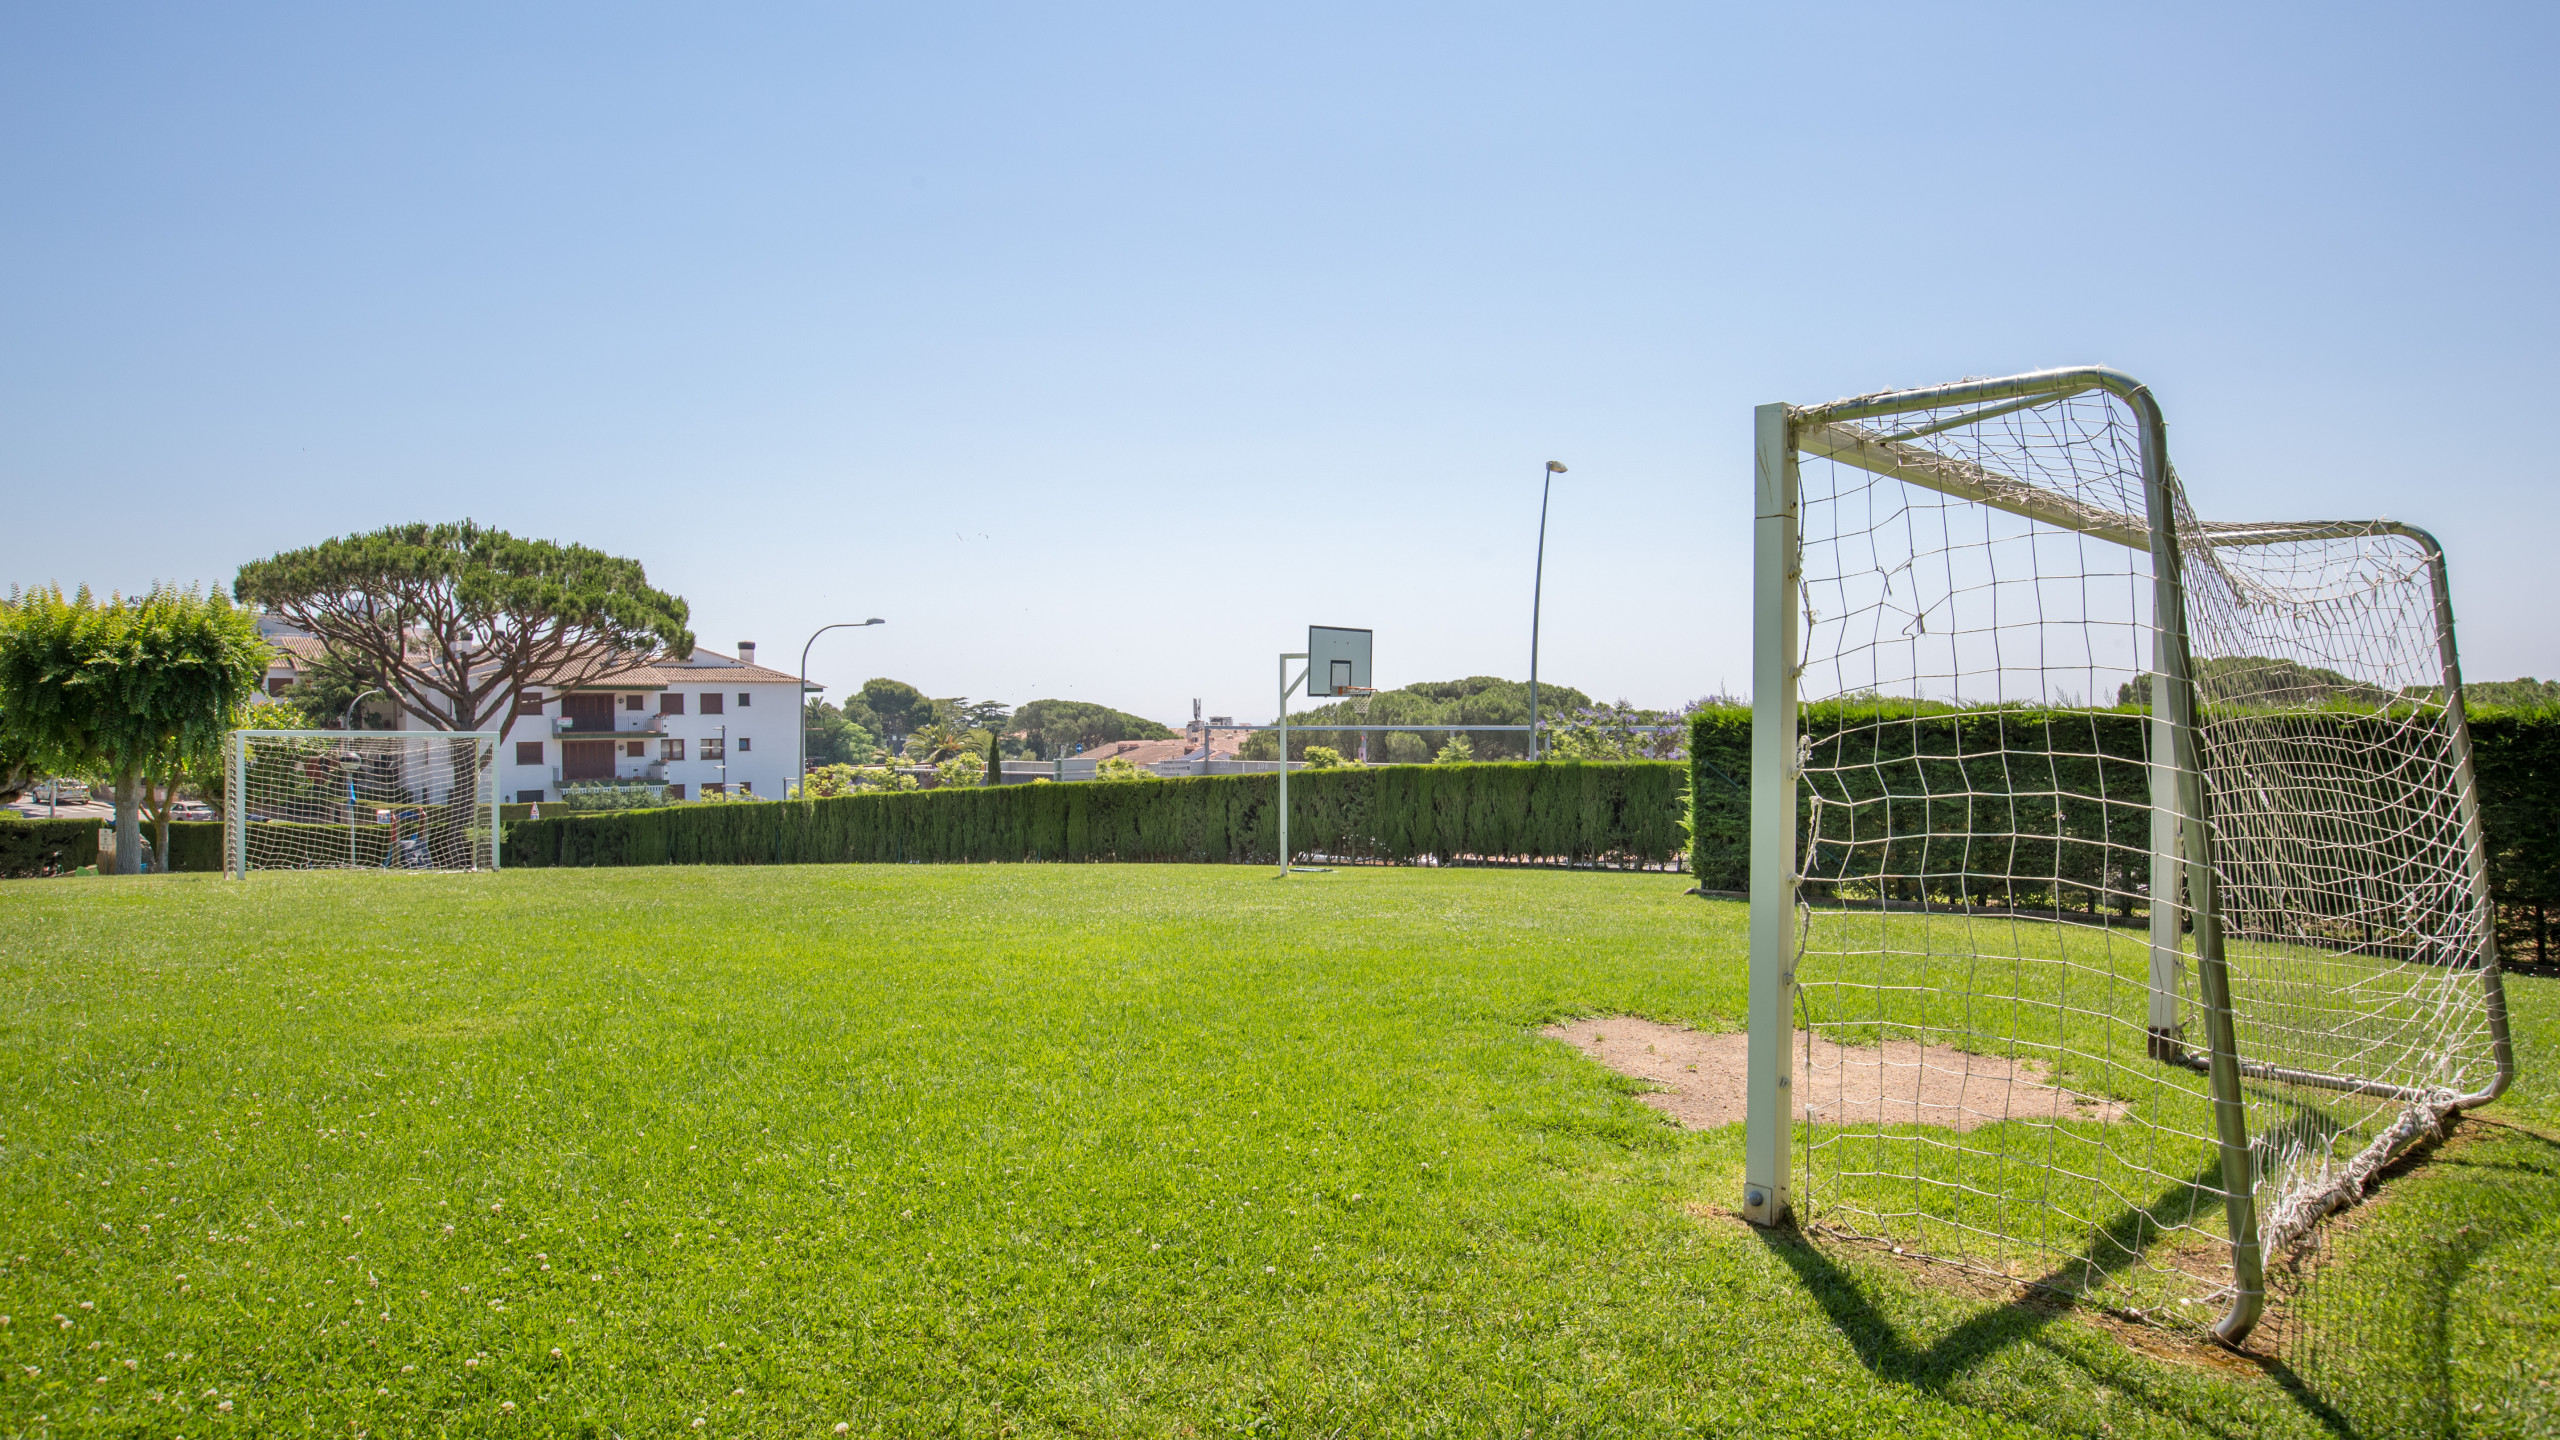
(360,800)
(2008,692)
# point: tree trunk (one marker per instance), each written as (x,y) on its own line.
(128,824)
(160,826)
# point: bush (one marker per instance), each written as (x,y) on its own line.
(1625,814)
(1118,770)
(1324,757)
(2087,755)
(47,847)
(611,795)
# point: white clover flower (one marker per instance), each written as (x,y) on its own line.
(224,1406)
(382,1390)
(506,1404)
(555,1352)
(842,1427)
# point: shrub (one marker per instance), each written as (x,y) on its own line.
(1121,771)
(1625,814)
(1324,757)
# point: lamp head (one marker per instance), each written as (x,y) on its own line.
(875,621)
(1555,467)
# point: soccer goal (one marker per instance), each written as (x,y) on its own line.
(360,800)
(2119,904)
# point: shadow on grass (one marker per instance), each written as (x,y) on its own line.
(2374,1301)
(1883,1348)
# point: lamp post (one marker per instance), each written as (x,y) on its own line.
(1537,593)
(803,697)
(348,722)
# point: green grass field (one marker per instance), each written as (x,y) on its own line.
(1028,1150)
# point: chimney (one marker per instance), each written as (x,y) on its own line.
(746,652)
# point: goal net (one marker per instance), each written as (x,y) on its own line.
(360,800)
(2118,898)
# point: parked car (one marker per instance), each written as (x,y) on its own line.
(62,792)
(191,810)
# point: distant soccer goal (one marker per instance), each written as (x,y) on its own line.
(2119,903)
(360,800)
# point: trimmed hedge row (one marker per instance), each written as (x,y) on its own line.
(46,847)
(1614,813)
(1941,794)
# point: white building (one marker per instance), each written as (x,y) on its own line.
(698,726)
(701,726)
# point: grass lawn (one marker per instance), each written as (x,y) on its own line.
(1029,1150)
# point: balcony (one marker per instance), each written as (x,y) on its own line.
(625,722)
(626,771)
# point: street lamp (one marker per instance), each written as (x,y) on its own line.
(1537,589)
(803,696)
(348,722)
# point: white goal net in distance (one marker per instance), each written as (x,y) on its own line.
(360,800)
(2118,896)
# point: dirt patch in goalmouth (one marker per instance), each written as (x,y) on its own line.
(1700,1078)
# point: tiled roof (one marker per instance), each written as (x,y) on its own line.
(294,651)
(724,670)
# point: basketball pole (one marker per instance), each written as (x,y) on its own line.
(1287,685)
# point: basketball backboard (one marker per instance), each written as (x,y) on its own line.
(1337,661)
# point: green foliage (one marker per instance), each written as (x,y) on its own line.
(2264,681)
(2525,694)
(2093,761)
(1476,700)
(329,685)
(994,774)
(457,619)
(1617,814)
(837,739)
(1324,757)
(1119,771)
(141,690)
(891,708)
(582,795)
(45,847)
(835,781)
(1057,727)
(961,768)
(1456,752)
(1610,732)
(125,687)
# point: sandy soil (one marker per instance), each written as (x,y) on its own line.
(1903,1082)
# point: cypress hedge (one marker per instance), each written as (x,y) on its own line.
(46,847)
(1977,800)
(1568,812)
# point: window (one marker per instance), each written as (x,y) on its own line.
(712,749)
(278,687)
(671,702)
(675,792)
(670,749)
(528,752)
(529,702)
(630,702)
(745,699)
(746,743)
(714,787)
(635,749)
(528,797)
(711,702)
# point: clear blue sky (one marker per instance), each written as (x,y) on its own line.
(1102,348)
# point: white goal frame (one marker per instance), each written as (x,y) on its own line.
(2182,832)
(482,805)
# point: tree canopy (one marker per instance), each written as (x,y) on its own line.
(457,619)
(1057,727)
(137,688)
(1475,700)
